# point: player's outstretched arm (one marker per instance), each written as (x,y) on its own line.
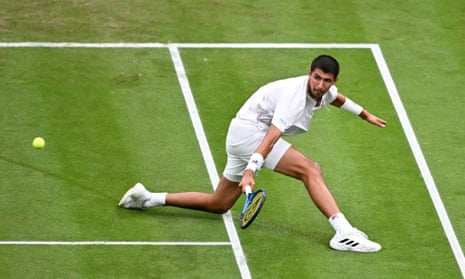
(347,104)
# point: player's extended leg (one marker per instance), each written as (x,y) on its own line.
(220,201)
(347,238)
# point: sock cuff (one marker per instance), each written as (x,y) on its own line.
(163,198)
(340,223)
(156,199)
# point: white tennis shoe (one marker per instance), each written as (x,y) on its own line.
(355,241)
(135,197)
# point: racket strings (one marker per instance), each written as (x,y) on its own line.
(253,207)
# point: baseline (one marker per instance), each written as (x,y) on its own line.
(182,45)
(114,243)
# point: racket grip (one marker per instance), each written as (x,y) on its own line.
(248,189)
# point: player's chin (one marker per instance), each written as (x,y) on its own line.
(316,94)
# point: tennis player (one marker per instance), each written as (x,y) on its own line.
(254,141)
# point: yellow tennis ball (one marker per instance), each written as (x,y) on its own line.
(38,143)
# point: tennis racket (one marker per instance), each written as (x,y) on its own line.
(252,206)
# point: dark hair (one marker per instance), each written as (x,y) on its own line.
(327,64)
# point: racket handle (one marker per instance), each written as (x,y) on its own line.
(248,189)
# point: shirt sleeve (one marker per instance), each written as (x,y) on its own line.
(331,95)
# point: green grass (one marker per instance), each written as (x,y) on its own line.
(112,117)
(371,171)
(117,262)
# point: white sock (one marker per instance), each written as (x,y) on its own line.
(340,223)
(156,199)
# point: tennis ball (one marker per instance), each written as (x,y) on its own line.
(38,143)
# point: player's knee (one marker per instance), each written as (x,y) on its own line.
(222,210)
(314,168)
(218,207)
(310,169)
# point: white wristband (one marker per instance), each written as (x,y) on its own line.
(352,107)
(255,163)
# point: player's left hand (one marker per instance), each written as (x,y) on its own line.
(373,119)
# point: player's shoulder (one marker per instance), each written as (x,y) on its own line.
(333,89)
(331,95)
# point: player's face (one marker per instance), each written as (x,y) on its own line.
(319,83)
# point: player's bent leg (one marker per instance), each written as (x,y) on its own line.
(297,165)
(347,238)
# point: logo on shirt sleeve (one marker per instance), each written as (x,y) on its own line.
(283,122)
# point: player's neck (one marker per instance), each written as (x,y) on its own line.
(316,99)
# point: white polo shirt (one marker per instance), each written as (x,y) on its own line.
(285,104)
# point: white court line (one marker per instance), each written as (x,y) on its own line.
(208,158)
(379,58)
(180,45)
(420,159)
(114,243)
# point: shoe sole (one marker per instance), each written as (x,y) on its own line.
(337,246)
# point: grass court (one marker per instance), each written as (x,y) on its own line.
(146,92)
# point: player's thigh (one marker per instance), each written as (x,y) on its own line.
(295,164)
(226,193)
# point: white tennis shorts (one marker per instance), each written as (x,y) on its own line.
(241,142)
